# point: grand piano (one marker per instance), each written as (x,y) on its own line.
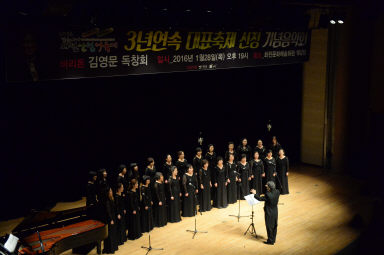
(51,233)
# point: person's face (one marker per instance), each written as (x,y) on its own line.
(152,163)
(136,168)
(206,165)
(147,182)
(220,162)
(256,155)
(105,174)
(269,154)
(281,152)
(136,185)
(169,158)
(190,170)
(124,171)
(274,140)
(244,142)
(110,193)
(211,148)
(244,159)
(94,178)
(161,178)
(199,153)
(181,155)
(268,189)
(260,143)
(231,157)
(231,146)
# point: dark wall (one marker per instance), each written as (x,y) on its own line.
(55,132)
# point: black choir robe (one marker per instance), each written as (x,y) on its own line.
(102,190)
(269,169)
(227,153)
(257,169)
(151,173)
(220,200)
(91,200)
(205,193)
(275,149)
(245,173)
(120,223)
(189,202)
(146,214)
(197,164)
(212,160)
(270,212)
(282,167)
(181,167)
(111,243)
(134,225)
(247,150)
(262,152)
(166,171)
(174,206)
(232,186)
(159,211)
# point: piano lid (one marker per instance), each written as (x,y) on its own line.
(39,219)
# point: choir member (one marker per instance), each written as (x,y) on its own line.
(133,211)
(174,197)
(121,214)
(282,167)
(146,211)
(111,243)
(190,189)
(181,164)
(211,157)
(257,169)
(166,169)
(102,190)
(244,170)
(133,173)
(269,168)
(205,187)
(261,149)
(151,169)
(230,151)
(233,178)
(244,148)
(275,147)
(197,161)
(102,186)
(91,196)
(122,178)
(221,182)
(159,206)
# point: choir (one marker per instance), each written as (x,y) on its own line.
(179,189)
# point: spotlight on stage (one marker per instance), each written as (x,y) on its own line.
(333,22)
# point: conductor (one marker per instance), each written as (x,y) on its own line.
(271,199)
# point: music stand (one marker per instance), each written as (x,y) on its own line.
(195,212)
(238,216)
(150,248)
(251,228)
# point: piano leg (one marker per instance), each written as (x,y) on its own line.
(98,247)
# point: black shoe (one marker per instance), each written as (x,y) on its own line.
(268,242)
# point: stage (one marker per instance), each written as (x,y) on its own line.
(313,219)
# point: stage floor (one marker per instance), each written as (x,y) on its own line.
(313,219)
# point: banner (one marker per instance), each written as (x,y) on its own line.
(115,51)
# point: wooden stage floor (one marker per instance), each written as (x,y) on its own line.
(313,219)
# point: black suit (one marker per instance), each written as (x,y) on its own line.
(271,199)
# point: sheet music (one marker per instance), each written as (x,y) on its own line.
(251,199)
(11,243)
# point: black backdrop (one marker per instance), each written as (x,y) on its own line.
(54,132)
